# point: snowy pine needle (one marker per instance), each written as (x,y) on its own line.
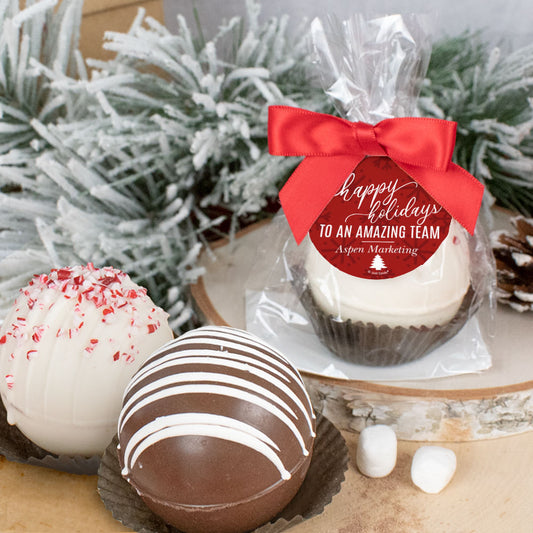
(490,96)
(141,148)
(133,162)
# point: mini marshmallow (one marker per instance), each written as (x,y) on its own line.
(433,468)
(377,451)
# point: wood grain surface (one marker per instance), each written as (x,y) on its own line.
(490,493)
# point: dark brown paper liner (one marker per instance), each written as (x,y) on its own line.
(323,480)
(372,345)
(15,446)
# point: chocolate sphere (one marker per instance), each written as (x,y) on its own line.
(216,431)
(69,345)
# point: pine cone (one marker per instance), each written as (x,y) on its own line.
(514,264)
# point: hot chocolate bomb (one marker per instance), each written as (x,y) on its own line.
(216,431)
(69,345)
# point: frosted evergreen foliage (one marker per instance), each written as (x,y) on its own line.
(29,36)
(35,36)
(142,148)
(134,161)
(489,94)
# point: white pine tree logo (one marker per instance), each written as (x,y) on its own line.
(378,263)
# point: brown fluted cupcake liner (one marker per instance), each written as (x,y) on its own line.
(323,480)
(378,345)
(15,446)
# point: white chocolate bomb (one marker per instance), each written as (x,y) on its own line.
(427,296)
(68,347)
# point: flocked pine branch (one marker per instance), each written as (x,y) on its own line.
(146,145)
(218,108)
(45,35)
(489,94)
(26,36)
(126,164)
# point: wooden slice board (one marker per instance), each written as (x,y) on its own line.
(497,402)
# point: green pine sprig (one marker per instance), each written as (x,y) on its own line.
(145,148)
(488,93)
(134,162)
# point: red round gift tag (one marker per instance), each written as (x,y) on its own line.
(380,224)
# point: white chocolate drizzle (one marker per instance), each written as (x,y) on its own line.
(201,424)
(218,359)
(179,368)
(230,393)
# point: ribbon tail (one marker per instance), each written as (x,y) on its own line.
(310,188)
(455,189)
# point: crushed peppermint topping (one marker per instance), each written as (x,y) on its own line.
(110,291)
(92,345)
(38,333)
(103,287)
(10,381)
(152,328)
(126,357)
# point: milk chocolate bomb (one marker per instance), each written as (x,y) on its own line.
(216,431)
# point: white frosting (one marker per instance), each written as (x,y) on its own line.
(233,351)
(191,377)
(68,347)
(230,392)
(226,339)
(198,356)
(428,295)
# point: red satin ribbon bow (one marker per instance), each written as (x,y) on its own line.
(333,147)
